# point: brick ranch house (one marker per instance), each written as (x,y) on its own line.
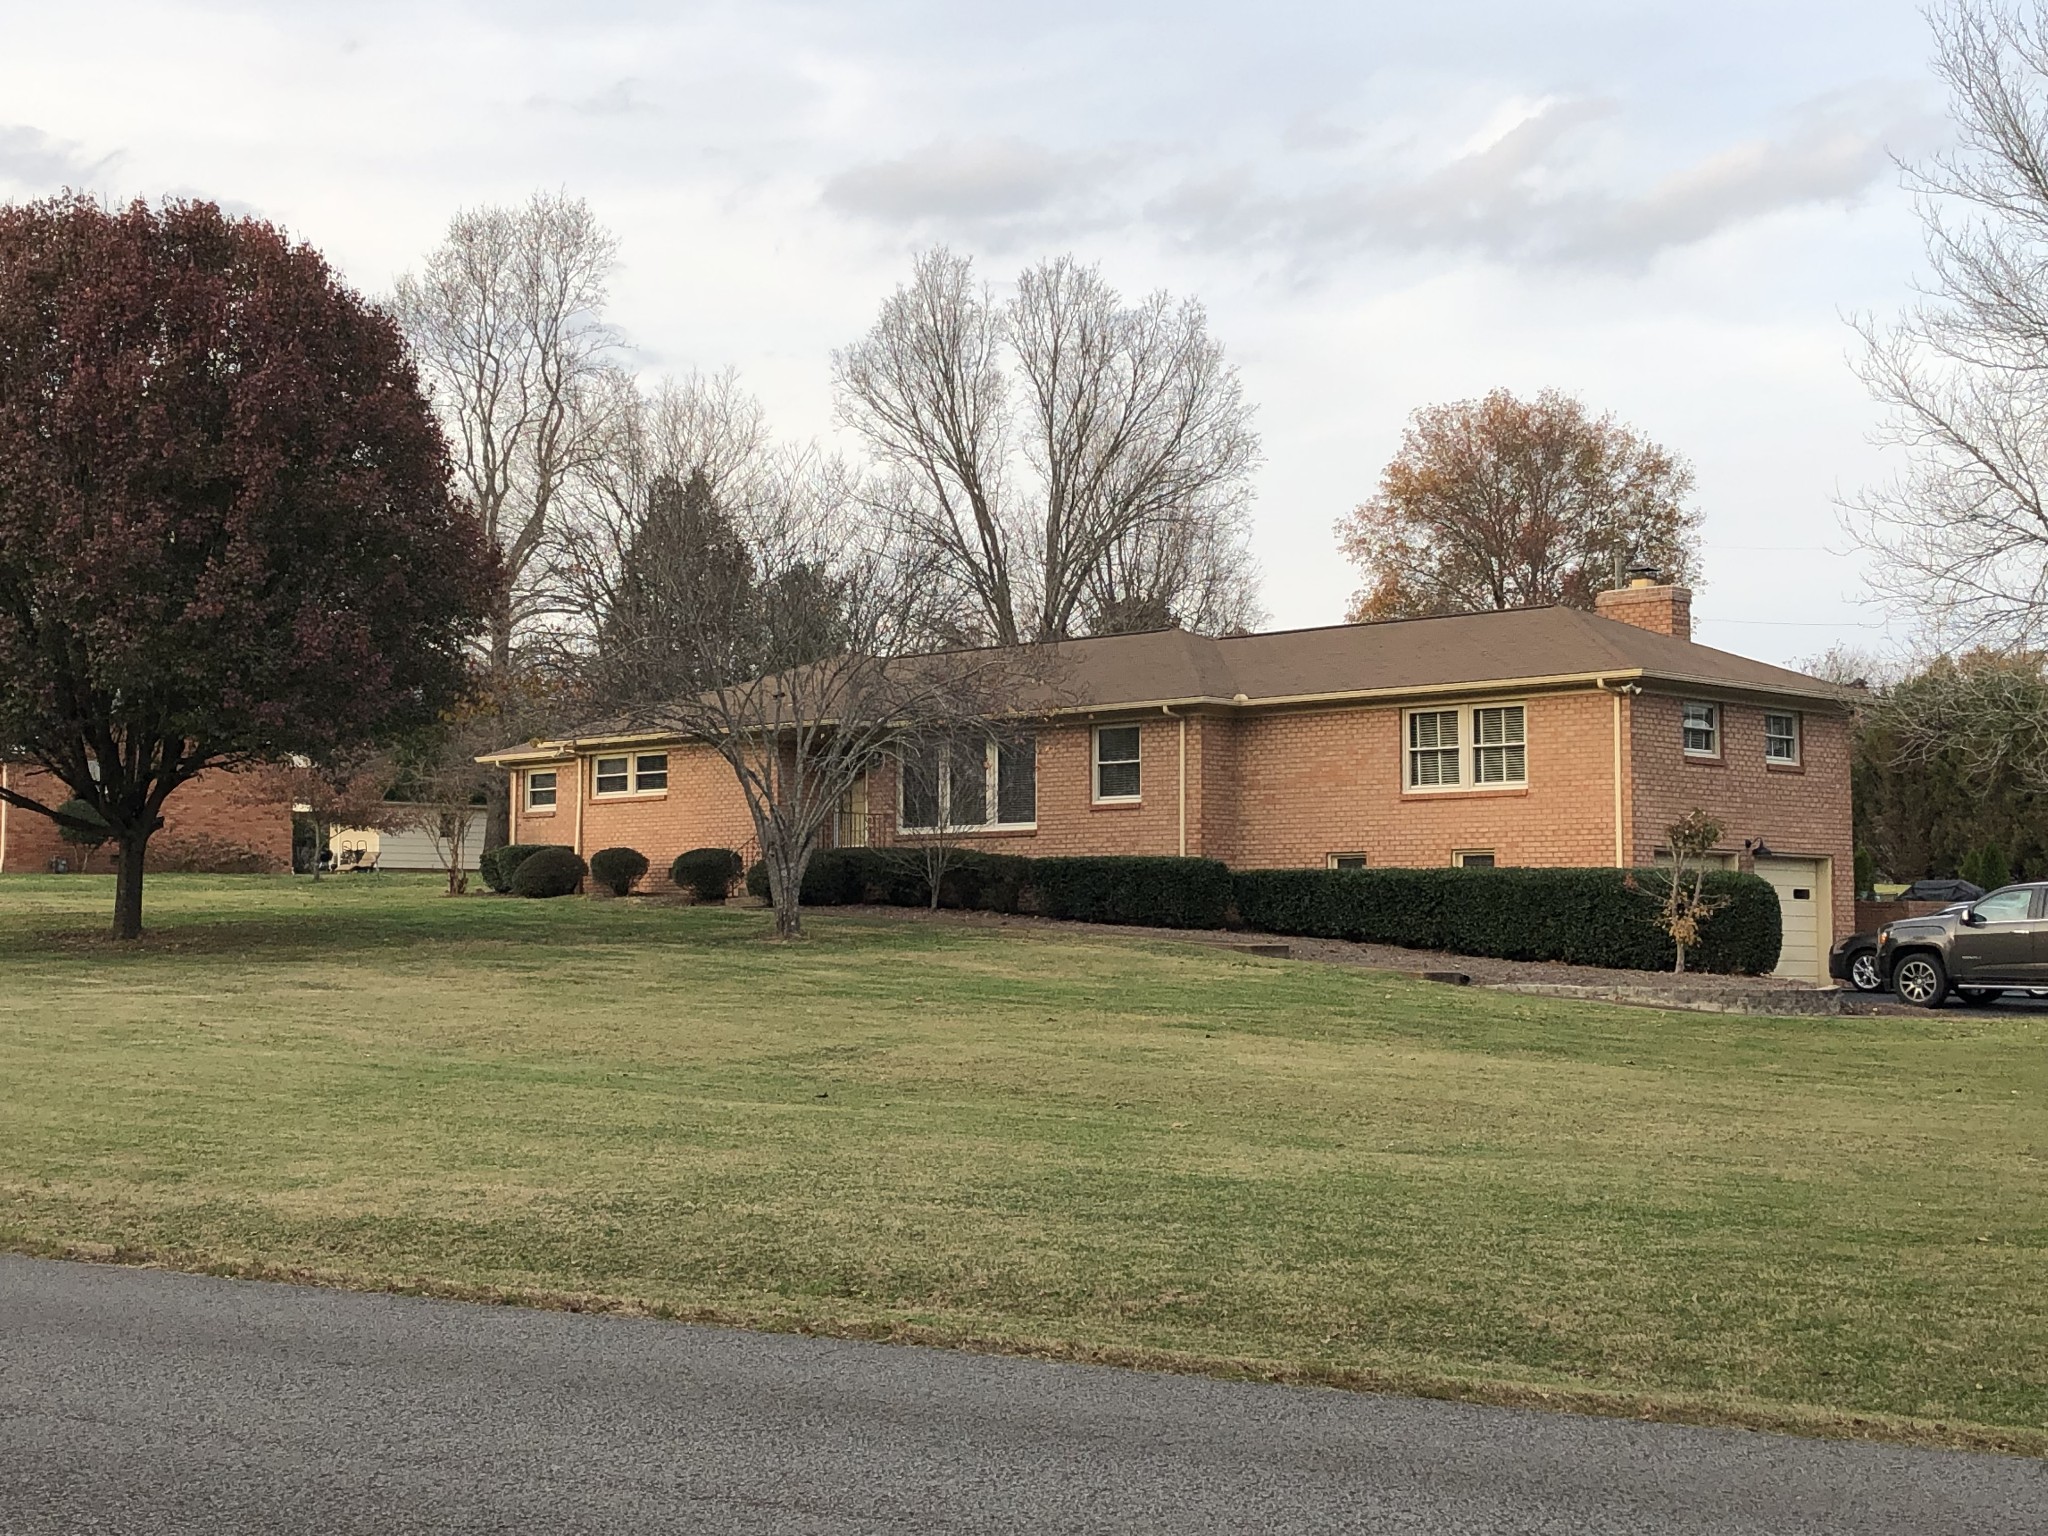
(1542,736)
(212,822)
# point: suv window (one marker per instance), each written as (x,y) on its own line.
(2006,906)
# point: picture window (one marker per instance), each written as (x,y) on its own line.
(954,786)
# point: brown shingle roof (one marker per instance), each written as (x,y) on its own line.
(1520,646)
(1408,655)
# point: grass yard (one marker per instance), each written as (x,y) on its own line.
(1083,1145)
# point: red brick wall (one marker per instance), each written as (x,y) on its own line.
(1311,784)
(217,815)
(701,808)
(1802,812)
(1290,789)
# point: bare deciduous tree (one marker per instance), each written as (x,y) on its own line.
(1962,531)
(1071,461)
(814,677)
(506,319)
(647,537)
(1509,503)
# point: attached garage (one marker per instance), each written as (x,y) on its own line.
(1804,900)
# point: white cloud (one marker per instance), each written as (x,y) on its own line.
(31,158)
(979,187)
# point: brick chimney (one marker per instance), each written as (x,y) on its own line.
(1648,602)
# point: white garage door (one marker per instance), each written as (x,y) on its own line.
(1803,899)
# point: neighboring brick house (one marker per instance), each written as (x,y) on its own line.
(217,821)
(1543,736)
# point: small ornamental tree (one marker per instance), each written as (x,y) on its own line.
(226,531)
(82,828)
(1684,905)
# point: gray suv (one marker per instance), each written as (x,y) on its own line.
(1992,944)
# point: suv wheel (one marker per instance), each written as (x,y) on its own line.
(1863,973)
(1920,980)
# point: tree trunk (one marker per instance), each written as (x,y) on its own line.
(128,886)
(497,812)
(785,889)
(1679,969)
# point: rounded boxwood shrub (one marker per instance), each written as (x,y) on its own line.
(709,872)
(499,865)
(549,872)
(617,869)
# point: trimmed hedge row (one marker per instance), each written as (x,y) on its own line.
(1602,917)
(499,865)
(1149,892)
(1580,916)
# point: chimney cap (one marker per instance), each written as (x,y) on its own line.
(1643,574)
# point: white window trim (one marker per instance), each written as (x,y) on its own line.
(1330,860)
(1095,795)
(1720,729)
(1468,750)
(632,777)
(991,785)
(1460,855)
(555,788)
(1798,738)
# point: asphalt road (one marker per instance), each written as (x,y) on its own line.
(139,1402)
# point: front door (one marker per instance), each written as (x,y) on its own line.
(1999,944)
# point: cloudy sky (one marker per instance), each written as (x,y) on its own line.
(1666,209)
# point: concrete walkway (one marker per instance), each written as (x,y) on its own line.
(135,1402)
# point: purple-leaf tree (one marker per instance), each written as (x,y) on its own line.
(226,528)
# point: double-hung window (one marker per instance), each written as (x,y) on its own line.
(1433,751)
(1500,753)
(1480,746)
(1781,738)
(540,789)
(1701,729)
(645,773)
(968,784)
(1116,762)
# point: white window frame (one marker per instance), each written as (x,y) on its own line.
(991,791)
(632,773)
(1798,737)
(641,772)
(1459,856)
(1346,861)
(1095,762)
(1468,748)
(553,787)
(1715,726)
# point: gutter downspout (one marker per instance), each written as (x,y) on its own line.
(1620,842)
(1167,710)
(578,837)
(3,819)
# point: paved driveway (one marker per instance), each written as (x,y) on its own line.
(140,1402)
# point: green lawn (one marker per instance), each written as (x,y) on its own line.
(1088,1146)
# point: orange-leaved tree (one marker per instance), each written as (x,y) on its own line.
(1511,503)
